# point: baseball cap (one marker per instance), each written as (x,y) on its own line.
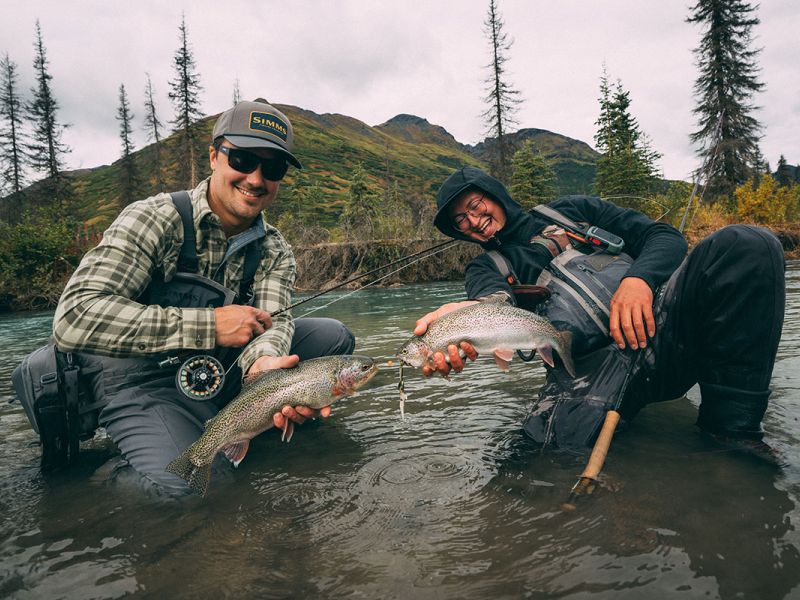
(257,124)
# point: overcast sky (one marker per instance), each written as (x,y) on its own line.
(372,60)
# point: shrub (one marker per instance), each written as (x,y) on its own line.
(37,256)
(766,202)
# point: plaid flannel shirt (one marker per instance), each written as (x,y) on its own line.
(98,312)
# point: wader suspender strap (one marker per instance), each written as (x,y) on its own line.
(552,245)
(502,265)
(556,217)
(188,261)
(252,258)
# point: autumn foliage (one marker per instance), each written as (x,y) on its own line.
(767,202)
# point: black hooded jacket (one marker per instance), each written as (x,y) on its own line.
(657,248)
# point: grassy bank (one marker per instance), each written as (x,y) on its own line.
(320,266)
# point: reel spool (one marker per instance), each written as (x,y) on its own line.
(200,378)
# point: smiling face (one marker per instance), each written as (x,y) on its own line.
(238,198)
(476,215)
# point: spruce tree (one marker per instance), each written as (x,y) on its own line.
(185,96)
(724,89)
(46,150)
(153,128)
(128,177)
(503,100)
(358,219)
(628,165)
(783,174)
(533,181)
(237,95)
(603,137)
(12,159)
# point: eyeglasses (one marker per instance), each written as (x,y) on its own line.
(272,169)
(476,208)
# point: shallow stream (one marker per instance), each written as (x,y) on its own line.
(451,502)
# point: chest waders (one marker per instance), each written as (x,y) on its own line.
(580,284)
(63,393)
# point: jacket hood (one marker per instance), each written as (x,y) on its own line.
(474,178)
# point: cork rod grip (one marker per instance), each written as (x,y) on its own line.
(600,449)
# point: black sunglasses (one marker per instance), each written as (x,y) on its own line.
(272,169)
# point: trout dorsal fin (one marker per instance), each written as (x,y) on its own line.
(251,378)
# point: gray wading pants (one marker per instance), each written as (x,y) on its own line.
(151,422)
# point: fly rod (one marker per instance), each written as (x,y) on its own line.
(202,377)
(440,246)
(587,482)
(588,479)
(706,168)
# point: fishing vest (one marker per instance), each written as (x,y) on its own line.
(63,393)
(579,284)
(574,291)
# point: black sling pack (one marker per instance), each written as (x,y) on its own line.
(61,392)
(57,393)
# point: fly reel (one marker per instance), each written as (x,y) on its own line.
(200,378)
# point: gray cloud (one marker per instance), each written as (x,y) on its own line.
(372,60)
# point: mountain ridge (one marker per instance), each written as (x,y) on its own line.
(406,151)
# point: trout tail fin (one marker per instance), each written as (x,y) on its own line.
(197,477)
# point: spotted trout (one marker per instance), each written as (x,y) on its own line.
(493,327)
(314,383)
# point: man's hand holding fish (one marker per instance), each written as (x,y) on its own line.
(297,414)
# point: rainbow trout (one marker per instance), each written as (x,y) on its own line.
(315,383)
(493,327)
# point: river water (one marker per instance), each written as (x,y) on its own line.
(451,502)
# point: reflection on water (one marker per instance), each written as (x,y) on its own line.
(451,502)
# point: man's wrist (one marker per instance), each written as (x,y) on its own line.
(198,328)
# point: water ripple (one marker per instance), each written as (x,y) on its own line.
(450,502)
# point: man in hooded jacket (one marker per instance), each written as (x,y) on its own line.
(713,318)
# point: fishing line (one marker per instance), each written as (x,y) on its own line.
(202,377)
(439,247)
(707,166)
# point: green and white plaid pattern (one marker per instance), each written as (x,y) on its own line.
(97,313)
